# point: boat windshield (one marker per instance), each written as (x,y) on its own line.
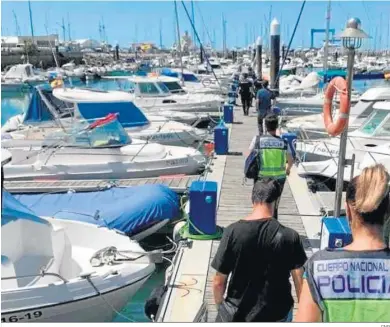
(373,125)
(173,87)
(109,133)
(384,129)
(163,87)
(149,88)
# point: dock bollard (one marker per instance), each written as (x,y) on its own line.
(228,113)
(221,139)
(276,111)
(232,98)
(202,219)
(335,233)
(291,139)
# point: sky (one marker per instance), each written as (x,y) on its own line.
(135,21)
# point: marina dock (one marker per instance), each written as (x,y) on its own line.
(191,283)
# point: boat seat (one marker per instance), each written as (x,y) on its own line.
(32,264)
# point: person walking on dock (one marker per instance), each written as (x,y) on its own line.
(273,154)
(245,90)
(263,104)
(259,254)
(352,284)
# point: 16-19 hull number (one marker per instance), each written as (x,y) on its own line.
(22,317)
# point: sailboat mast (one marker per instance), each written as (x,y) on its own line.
(17,28)
(63,29)
(193,21)
(31,21)
(68,27)
(380,34)
(161,42)
(326,49)
(179,42)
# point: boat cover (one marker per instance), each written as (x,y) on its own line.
(129,210)
(12,210)
(129,115)
(38,111)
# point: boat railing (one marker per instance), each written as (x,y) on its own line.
(41,274)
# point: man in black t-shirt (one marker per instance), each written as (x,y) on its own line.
(259,253)
(245,90)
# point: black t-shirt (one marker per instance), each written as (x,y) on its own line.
(259,254)
(245,87)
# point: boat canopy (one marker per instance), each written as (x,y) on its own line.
(20,71)
(38,110)
(129,115)
(12,210)
(187,75)
(128,210)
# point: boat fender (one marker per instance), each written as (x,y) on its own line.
(154,301)
(336,128)
(176,231)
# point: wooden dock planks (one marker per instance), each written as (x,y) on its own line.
(235,200)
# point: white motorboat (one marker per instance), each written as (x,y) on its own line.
(328,168)
(55,270)
(312,126)
(100,150)
(20,77)
(192,84)
(91,104)
(294,85)
(153,93)
(373,132)
(307,105)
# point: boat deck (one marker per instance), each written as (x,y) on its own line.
(234,202)
(178,183)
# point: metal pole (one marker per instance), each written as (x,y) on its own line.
(179,43)
(326,49)
(275,54)
(259,63)
(343,139)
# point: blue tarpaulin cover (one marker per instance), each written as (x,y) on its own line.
(129,210)
(129,114)
(12,210)
(37,110)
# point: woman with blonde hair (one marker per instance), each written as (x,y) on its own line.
(352,284)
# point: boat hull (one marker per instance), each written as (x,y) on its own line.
(91,309)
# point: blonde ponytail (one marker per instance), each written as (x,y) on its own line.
(372,186)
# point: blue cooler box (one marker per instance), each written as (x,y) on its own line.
(221,139)
(228,115)
(203,208)
(335,233)
(291,139)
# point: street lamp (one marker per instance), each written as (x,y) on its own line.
(352,38)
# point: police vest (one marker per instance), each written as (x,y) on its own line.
(350,286)
(273,157)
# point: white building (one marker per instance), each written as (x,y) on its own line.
(87,43)
(20,41)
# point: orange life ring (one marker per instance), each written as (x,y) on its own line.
(337,127)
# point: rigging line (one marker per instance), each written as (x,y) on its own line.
(204,25)
(200,43)
(291,39)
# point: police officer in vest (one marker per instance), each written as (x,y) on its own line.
(275,159)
